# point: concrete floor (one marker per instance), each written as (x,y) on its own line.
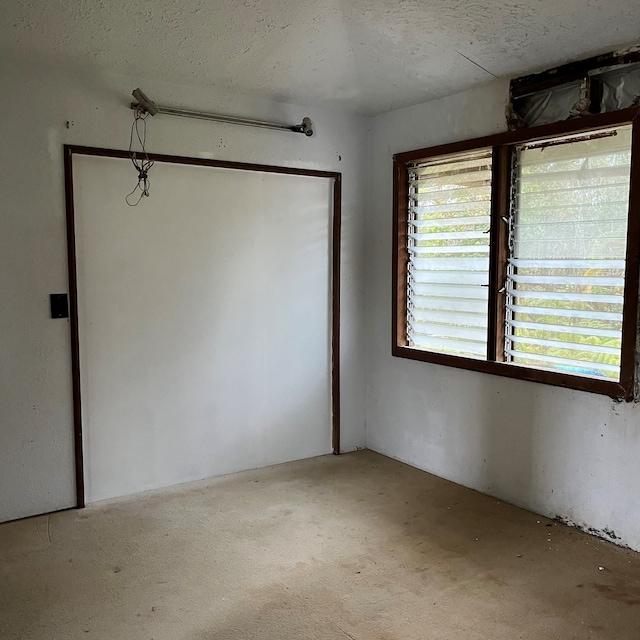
(356,547)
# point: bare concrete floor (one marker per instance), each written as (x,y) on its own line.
(356,547)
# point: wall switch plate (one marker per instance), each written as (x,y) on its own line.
(59,305)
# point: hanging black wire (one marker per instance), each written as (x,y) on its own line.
(142,165)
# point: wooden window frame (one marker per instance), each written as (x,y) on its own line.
(503,145)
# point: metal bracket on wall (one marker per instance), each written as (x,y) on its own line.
(306,126)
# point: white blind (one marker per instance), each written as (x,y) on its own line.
(565,279)
(448,244)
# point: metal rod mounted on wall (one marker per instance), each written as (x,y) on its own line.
(153,109)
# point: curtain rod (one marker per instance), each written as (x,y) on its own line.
(153,109)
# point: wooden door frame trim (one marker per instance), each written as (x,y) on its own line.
(69,151)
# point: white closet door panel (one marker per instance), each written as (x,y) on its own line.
(204,318)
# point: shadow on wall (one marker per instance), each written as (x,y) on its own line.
(507,443)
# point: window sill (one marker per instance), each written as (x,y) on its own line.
(616,390)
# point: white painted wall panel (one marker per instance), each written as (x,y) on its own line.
(39,97)
(204,320)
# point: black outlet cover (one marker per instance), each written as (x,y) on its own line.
(59,305)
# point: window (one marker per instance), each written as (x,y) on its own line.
(448,254)
(517,254)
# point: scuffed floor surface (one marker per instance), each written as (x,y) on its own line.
(356,547)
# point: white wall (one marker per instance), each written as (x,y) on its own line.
(204,321)
(555,451)
(36,101)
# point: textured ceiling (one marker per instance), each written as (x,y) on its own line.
(368,56)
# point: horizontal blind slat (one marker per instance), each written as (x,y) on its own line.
(470,248)
(563,328)
(565,276)
(448,304)
(563,361)
(459,173)
(478,221)
(477,292)
(567,313)
(577,238)
(424,210)
(562,223)
(452,235)
(577,174)
(464,318)
(571,148)
(450,277)
(450,345)
(471,199)
(567,264)
(598,211)
(567,296)
(424,187)
(460,264)
(448,247)
(615,187)
(559,344)
(618,156)
(569,280)
(448,331)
